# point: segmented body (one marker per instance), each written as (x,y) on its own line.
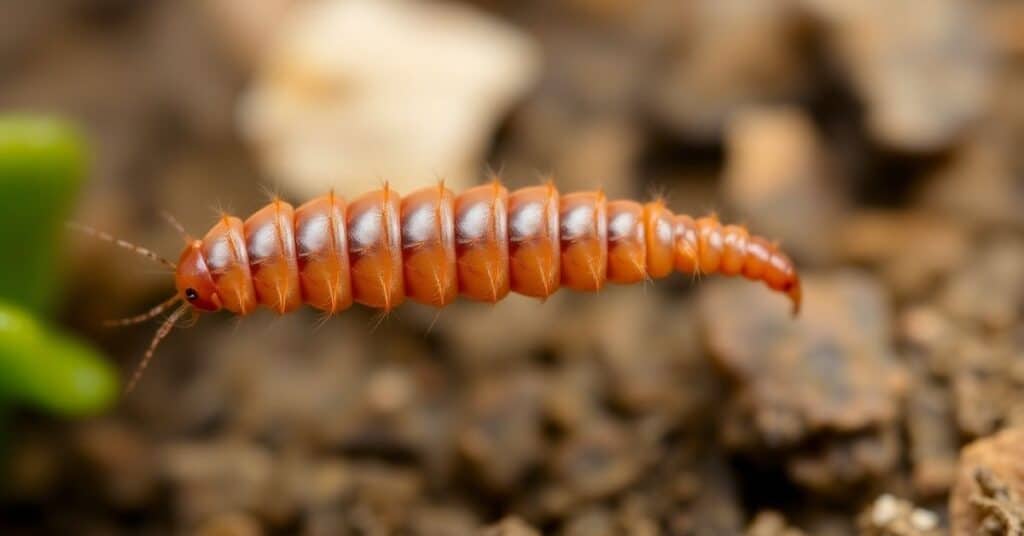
(432,246)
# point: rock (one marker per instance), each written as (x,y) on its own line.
(1005,511)
(825,379)
(645,369)
(841,463)
(931,337)
(980,184)
(582,150)
(777,179)
(980,181)
(599,521)
(319,485)
(481,343)
(921,67)
(1003,21)
(728,55)
(967,372)
(384,498)
(33,468)
(356,92)
(327,522)
(444,521)
(335,389)
(979,313)
(510,526)
(573,397)
(820,370)
(246,29)
(230,524)
(582,126)
(891,516)
(218,478)
(500,436)
(716,507)
(595,521)
(771,523)
(988,291)
(912,251)
(931,429)
(985,388)
(635,516)
(988,497)
(598,154)
(368,497)
(600,460)
(112,448)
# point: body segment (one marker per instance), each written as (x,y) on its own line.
(270,242)
(481,242)
(375,249)
(428,246)
(321,246)
(534,248)
(627,242)
(583,239)
(227,258)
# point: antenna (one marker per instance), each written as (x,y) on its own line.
(107,237)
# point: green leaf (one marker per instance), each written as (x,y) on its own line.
(46,369)
(41,167)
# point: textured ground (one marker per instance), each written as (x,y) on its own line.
(878,141)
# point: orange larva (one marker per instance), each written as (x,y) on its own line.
(431,246)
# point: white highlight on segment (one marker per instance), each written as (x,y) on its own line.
(366,229)
(473,222)
(263,242)
(663,231)
(313,234)
(219,255)
(420,225)
(577,222)
(621,225)
(526,221)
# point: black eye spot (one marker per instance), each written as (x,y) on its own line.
(191,294)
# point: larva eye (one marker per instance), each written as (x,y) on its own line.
(191,294)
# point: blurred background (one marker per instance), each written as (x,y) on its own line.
(879,141)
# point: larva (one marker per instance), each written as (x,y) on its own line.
(431,246)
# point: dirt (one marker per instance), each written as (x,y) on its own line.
(887,155)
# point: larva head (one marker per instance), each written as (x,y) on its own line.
(193,280)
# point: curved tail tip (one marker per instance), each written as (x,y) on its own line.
(795,296)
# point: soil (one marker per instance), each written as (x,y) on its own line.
(883,143)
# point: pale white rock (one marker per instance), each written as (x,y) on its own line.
(356,92)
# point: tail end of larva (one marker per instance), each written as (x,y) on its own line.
(796,296)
